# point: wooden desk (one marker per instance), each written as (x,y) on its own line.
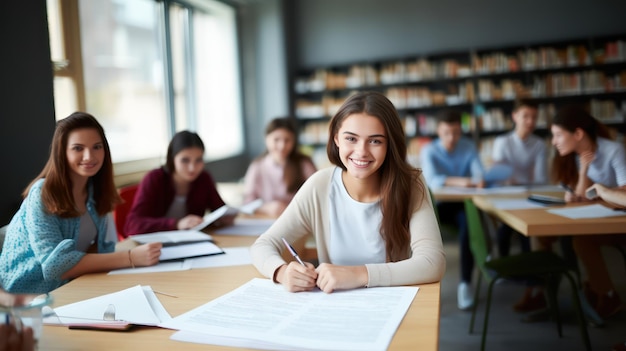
(457,194)
(419,329)
(539,222)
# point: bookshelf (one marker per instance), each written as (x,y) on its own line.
(482,84)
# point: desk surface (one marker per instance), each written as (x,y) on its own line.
(419,329)
(458,194)
(539,222)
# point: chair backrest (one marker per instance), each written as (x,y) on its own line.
(479,244)
(121,211)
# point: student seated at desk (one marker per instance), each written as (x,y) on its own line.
(65,216)
(526,154)
(599,290)
(176,195)
(452,160)
(279,172)
(584,156)
(371,214)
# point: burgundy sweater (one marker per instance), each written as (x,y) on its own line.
(155,195)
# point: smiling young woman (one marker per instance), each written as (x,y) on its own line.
(63,228)
(370,213)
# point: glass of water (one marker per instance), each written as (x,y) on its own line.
(28,314)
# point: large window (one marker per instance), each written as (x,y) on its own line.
(147,69)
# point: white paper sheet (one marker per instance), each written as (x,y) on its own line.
(590,211)
(161,267)
(233,256)
(247,226)
(204,248)
(172,236)
(137,305)
(360,319)
(514,204)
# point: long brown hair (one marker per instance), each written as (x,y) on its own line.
(293,176)
(398,179)
(570,118)
(56,193)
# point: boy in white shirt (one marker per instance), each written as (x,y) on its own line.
(526,154)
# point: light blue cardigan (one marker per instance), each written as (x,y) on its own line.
(40,247)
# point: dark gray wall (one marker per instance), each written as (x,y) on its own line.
(332,32)
(265,72)
(26,100)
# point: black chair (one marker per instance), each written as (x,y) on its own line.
(546,266)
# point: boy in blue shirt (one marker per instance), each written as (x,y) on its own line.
(452,160)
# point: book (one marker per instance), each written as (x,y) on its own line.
(226,210)
(545,199)
(179,244)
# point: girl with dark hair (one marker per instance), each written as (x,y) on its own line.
(587,159)
(278,173)
(65,216)
(176,195)
(371,215)
(585,155)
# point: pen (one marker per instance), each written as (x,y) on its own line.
(567,188)
(293,252)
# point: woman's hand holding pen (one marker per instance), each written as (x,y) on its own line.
(145,255)
(331,277)
(296,277)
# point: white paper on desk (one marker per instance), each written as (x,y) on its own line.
(589,211)
(172,236)
(247,226)
(233,256)
(226,210)
(204,248)
(359,319)
(214,216)
(160,267)
(453,190)
(137,305)
(514,204)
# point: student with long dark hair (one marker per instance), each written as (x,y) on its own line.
(63,228)
(371,214)
(176,195)
(279,172)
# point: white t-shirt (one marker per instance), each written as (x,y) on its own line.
(354,228)
(526,157)
(609,164)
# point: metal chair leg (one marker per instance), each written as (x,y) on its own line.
(487,307)
(553,303)
(476,298)
(582,322)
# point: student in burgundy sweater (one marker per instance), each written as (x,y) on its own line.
(176,195)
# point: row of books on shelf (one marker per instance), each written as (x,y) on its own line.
(552,85)
(422,69)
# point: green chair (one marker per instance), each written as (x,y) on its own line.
(546,266)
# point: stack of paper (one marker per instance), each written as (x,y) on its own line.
(233,256)
(137,305)
(261,314)
(179,244)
